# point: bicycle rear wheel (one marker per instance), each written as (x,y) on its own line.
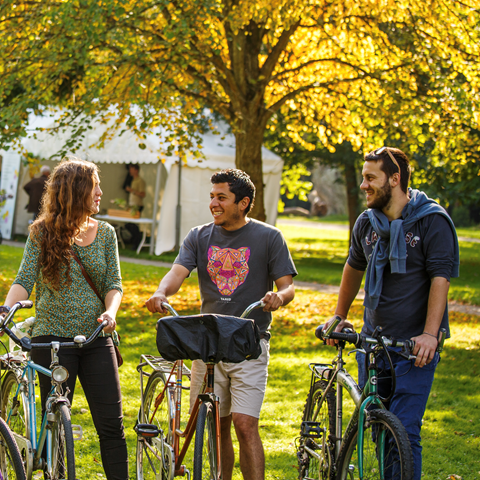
(154,454)
(316,446)
(11,464)
(206,459)
(397,455)
(63,453)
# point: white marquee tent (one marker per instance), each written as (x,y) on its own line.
(162,179)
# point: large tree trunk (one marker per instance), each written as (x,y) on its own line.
(248,157)
(352,194)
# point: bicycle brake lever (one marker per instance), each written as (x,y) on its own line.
(361,350)
(442,335)
(332,327)
(407,349)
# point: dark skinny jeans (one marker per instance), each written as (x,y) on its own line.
(96,367)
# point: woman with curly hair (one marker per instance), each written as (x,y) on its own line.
(66,305)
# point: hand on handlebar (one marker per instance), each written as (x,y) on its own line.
(154,303)
(344,323)
(111,325)
(424,349)
(272,302)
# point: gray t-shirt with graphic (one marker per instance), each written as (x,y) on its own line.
(236,268)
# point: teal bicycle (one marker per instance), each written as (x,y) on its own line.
(374,445)
(52,449)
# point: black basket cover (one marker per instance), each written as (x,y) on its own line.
(209,337)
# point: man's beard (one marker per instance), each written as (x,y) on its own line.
(382,197)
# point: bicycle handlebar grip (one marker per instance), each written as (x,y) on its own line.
(347,336)
(319,333)
(26,303)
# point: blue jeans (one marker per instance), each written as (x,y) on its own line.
(410,398)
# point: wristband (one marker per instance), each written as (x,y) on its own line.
(4,309)
(434,336)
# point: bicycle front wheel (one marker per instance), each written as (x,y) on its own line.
(11,464)
(316,447)
(206,456)
(386,450)
(154,454)
(63,453)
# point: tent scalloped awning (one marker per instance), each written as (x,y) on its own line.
(125,148)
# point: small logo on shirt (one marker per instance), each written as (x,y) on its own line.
(373,239)
(411,240)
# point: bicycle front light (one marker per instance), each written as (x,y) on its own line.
(59,374)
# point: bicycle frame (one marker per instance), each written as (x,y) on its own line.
(34,444)
(336,373)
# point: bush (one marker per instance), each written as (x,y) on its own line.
(461,217)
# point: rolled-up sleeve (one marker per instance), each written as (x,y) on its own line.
(28,272)
(440,246)
(113,278)
(356,255)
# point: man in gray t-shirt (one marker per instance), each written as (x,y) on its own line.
(238,259)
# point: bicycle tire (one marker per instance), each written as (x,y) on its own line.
(155,454)
(206,462)
(11,463)
(310,467)
(15,409)
(63,450)
(397,466)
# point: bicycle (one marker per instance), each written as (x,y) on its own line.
(18,404)
(374,444)
(158,430)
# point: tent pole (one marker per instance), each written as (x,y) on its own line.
(179,206)
(155,206)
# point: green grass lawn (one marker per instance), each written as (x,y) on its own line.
(452,420)
(320,256)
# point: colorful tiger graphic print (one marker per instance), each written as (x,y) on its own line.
(228,267)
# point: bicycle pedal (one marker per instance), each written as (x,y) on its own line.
(77,432)
(311,430)
(147,430)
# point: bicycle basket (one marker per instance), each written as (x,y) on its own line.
(209,337)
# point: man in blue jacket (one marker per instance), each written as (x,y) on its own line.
(408,245)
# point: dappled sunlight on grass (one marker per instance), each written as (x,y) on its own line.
(452,420)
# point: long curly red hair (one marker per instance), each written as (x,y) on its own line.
(66,206)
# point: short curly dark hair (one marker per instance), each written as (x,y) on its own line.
(239,183)
(390,168)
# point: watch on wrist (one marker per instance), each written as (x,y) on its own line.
(4,309)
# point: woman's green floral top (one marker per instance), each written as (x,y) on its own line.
(74,309)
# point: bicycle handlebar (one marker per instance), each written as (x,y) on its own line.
(26,344)
(355,338)
(247,311)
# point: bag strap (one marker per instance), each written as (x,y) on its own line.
(87,276)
